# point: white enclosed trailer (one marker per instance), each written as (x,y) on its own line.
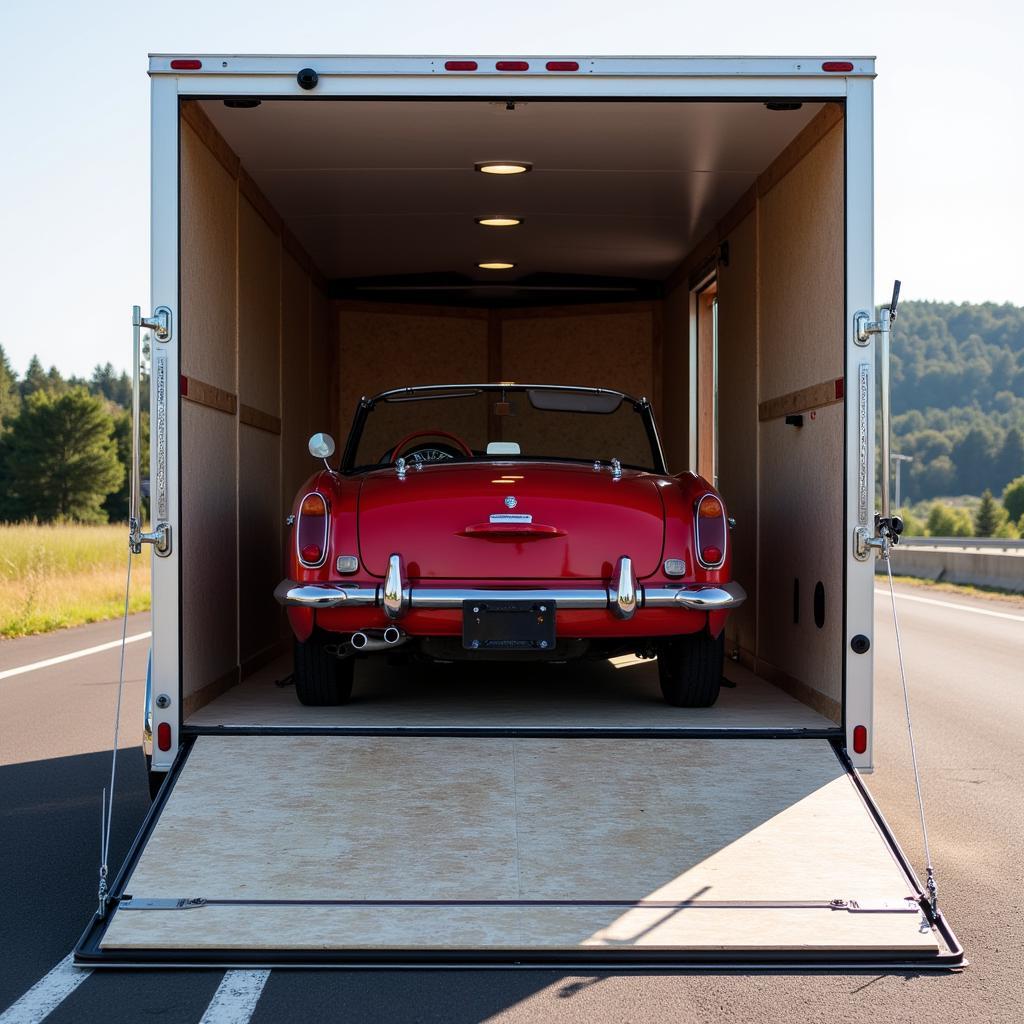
(697,230)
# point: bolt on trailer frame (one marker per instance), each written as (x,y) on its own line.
(849,81)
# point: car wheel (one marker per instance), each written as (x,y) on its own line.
(690,669)
(321,678)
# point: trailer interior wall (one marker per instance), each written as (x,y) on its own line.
(254,352)
(269,359)
(780,351)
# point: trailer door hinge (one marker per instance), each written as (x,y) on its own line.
(907,905)
(131,903)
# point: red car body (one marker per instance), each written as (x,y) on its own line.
(627,557)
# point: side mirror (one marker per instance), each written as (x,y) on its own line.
(321,446)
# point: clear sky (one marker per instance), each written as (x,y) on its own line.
(74,169)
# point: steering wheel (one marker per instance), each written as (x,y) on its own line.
(459,446)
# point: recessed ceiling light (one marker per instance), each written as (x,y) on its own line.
(499,222)
(502,166)
(495,265)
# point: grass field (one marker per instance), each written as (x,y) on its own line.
(65,575)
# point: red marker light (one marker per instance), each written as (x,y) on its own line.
(186,65)
(163,736)
(310,553)
(860,739)
(511,65)
(562,65)
(711,555)
(460,65)
(837,65)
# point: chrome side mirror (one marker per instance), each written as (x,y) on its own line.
(321,446)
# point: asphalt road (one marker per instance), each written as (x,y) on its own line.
(967,686)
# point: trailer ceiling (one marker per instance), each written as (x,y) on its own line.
(618,189)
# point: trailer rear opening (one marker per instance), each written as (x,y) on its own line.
(694,230)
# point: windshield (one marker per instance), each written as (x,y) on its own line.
(451,424)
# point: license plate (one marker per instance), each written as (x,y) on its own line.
(508,625)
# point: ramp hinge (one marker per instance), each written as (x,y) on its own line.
(906,905)
(131,903)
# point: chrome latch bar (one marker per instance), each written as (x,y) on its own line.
(160,536)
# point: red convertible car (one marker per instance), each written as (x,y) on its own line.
(506,521)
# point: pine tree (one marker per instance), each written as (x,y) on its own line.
(1010,460)
(10,396)
(35,378)
(60,459)
(986,519)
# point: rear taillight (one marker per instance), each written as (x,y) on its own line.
(311,530)
(860,739)
(163,736)
(711,532)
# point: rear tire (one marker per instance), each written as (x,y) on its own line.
(690,669)
(321,679)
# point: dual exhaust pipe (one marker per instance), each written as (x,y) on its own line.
(368,640)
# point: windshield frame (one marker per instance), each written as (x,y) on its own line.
(428,392)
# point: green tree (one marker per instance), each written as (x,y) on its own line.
(116,504)
(1010,460)
(60,459)
(35,378)
(941,521)
(10,396)
(913,526)
(1013,498)
(987,518)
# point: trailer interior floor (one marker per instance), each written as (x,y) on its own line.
(451,846)
(621,694)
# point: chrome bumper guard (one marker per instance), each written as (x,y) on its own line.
(342,595)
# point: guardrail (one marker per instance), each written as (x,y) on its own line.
(964,543)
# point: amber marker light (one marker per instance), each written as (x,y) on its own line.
(495,265)
(499,222)
(502,166)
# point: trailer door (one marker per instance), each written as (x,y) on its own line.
(348,849)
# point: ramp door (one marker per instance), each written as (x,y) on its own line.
(349,849)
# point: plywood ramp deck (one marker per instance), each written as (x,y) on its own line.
(434,843)
(622,694)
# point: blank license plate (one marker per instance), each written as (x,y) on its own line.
(508,625)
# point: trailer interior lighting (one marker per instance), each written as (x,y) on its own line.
(499,222)
(495,265)
(502,166)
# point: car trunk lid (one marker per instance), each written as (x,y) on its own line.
(510,520)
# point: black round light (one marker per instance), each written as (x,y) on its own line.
(307,78)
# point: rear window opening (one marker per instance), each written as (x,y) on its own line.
(333,250)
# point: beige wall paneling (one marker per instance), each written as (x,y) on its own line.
(674,421)
(323,367)
(800,312)
(209,575)
(296,403)
(737,419)
(611,349)
(390,349)
(259,480)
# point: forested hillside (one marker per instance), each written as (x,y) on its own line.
(958,397)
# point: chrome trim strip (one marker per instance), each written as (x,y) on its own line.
(323,595)
(443,597)
(702,599)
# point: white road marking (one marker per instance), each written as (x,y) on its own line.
(83,653)
(949,604)
(236,997)
(46,994)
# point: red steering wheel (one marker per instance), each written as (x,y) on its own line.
(404,443)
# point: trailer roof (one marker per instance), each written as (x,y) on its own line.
(820,66)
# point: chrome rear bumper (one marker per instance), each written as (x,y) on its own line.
(341,595)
